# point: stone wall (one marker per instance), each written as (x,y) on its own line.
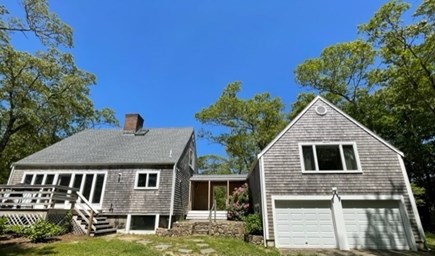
(234,229)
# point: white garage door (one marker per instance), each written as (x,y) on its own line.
(301,224)
(374,224)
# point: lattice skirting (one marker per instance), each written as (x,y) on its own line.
(77,229)
(23,219)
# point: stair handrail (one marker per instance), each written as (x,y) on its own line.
(213,208)
(93,212)
(87,203)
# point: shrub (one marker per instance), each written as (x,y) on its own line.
(16,230)
(253,224)
(239,203)
(3,223)
(42,230)
(65,223)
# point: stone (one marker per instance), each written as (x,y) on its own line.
(208,251)
(198,240)
(144,242)
(202,245)
(184,251)
(162,247)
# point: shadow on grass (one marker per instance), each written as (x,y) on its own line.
(12,247)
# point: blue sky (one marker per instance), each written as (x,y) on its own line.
(169,59)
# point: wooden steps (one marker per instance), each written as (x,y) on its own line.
(204,215)
(100,225)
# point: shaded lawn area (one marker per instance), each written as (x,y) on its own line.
(132,245)
(431,241)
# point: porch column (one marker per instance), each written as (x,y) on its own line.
(189,207)
(228,192)
(208,198)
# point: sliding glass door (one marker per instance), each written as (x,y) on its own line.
(89,184)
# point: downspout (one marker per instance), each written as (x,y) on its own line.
(171,208)
(11,174)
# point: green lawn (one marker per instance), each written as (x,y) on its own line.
(430,241)
(135,245)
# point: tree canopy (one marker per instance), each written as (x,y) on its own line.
(385,80)
(247,126)
(44,96)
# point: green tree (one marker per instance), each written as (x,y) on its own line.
(385,80)
(245,126)
(44,96)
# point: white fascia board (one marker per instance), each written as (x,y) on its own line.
(412,200)
(300,197)
(171,207)
(339,111)
(264,202)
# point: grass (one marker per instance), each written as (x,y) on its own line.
(133,245)
(430,238)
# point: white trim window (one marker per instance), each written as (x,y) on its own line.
(329,157)
(147,180)
(191,159)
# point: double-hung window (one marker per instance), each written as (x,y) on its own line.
(147,180)
(329,157)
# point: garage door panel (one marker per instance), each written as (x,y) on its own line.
(374,224)
(304,224)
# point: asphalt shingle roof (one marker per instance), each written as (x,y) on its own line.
(113,147)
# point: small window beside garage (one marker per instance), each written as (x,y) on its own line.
(324,158)
(147,180)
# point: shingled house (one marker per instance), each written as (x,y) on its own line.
(326,181)
(136,177)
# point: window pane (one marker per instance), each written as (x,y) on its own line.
(349,157)
(307,151)
(143,222)
(328,157)
(64,180)
(38,179)
(98,189)
(88,185)
(152,180)
(28,179)
(78,181)
(49,179)
(142,179)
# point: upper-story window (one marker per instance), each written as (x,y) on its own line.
(329,157)
(191,159)
(147,180)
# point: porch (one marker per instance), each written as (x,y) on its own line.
(212,191)
(24,204)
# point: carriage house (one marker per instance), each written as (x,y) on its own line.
(326,181)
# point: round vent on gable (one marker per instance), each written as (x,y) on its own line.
(321,110)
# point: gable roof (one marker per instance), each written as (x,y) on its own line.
(336,109)
(113,147)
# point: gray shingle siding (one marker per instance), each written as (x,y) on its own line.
(181,194)
(381,175)
(255,188)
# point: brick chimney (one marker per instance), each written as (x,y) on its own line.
(133,122)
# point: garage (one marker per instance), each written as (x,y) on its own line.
(304,224)
(374,224)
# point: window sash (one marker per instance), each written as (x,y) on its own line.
(348,157)
(147,180)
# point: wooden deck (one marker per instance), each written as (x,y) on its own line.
(25,204)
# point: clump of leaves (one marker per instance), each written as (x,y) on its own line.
(253,224)
(16,230)
(42,230)
(239,203)
(3,223)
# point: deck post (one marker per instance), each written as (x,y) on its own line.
(91,218)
